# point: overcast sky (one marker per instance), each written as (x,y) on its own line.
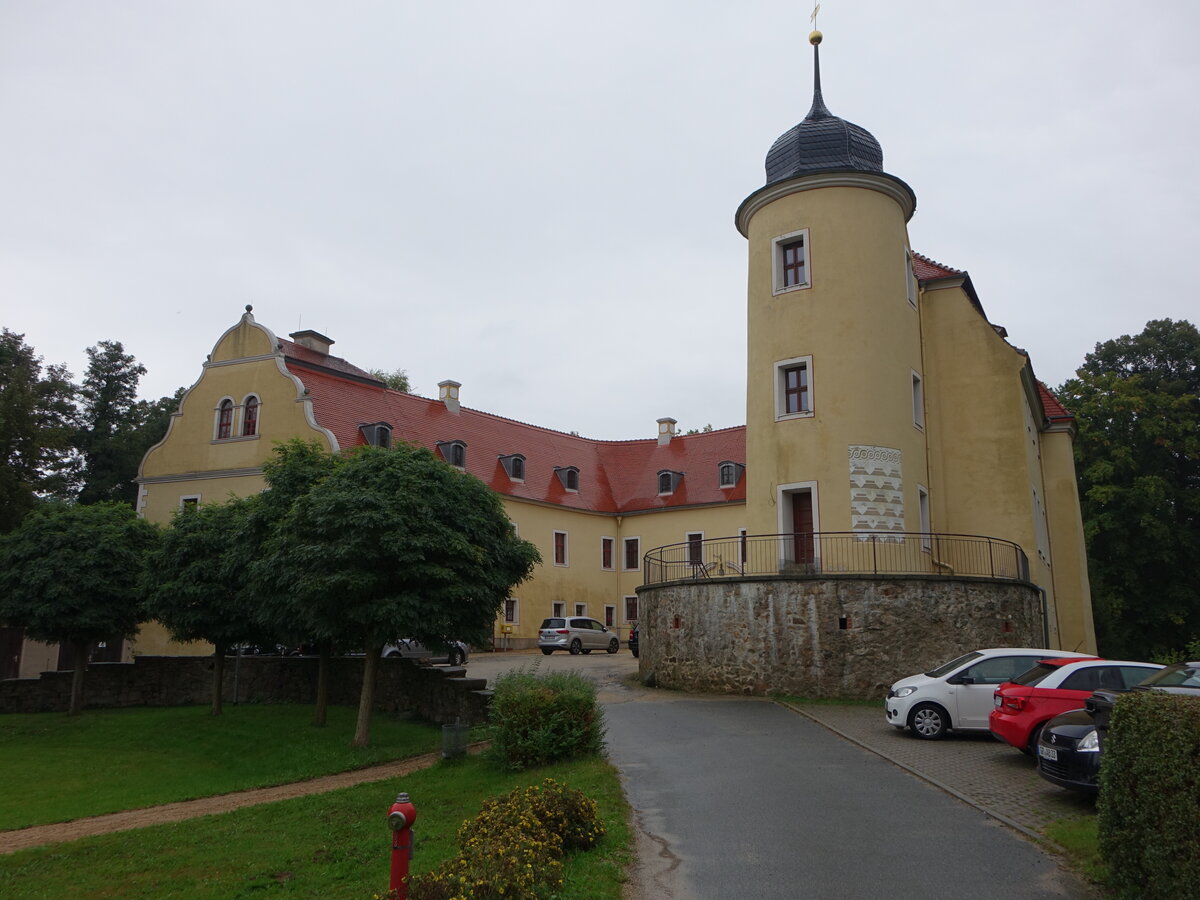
(536,199)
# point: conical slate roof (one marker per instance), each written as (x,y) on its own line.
(822,142)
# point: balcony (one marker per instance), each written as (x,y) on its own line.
(837,553)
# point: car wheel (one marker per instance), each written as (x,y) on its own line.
(614,645)
(457,656)
(1034,737)
(576,647)
(546,651)
(929,722)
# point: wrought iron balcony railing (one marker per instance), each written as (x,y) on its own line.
(837,553)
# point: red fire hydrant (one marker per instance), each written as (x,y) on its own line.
(400,819)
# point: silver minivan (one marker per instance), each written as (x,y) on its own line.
(575,634)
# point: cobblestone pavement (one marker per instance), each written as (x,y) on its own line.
(977,769)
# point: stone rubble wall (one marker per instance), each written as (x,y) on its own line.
(759,636)
(439,694)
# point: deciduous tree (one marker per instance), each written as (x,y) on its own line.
(36,422)
(1136,400)
(197,584)
(396,543)
(70,574)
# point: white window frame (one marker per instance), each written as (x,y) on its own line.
(910,279)
(781,388)
(234,420)
(625,608)
(581,611)
(918,400)
(612,566)
(566,549)
(186,500)
(516,608)
(625,555)
(777,262)
(608,607)
(240,415)
(558,609)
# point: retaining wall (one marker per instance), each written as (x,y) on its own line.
(440,694)
(845,637)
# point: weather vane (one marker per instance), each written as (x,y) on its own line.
(813,17)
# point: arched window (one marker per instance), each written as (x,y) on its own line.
(250,417)
(224,420)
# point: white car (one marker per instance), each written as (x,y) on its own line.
(958,695)
(576,634)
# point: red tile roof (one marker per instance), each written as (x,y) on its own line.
(308,358)
(1053,409)
(925,268)
(614,476)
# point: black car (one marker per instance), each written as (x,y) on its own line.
(633,641)
(1069,749)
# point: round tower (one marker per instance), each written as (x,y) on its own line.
(834,407)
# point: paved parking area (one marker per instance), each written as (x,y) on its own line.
(978,769)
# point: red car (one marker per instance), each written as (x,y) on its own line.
(1052,687)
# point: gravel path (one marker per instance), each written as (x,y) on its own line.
(39,835)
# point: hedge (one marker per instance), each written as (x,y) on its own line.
(1149,803)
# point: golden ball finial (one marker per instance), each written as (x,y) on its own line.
(815,38)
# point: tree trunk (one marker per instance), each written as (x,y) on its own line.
(366,699)
(321,711)
(81,659)
(218,688)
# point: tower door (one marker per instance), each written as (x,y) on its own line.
(802,526)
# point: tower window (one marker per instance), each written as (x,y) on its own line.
(918,401)
(793,388)
(790,262)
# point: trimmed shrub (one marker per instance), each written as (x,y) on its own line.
(540,719)
(1149,804)
(514,847)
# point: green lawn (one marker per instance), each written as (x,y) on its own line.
(333,845)
(57,768)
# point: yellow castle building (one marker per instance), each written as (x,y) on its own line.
(884,413)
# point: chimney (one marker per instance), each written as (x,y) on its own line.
(313,340)
(666,430)
(448,394)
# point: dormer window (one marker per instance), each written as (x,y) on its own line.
(729,473)
(454,452)
(569,476)
(668,481)
(377,434)
(514,465)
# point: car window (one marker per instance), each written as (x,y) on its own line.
(1000,669)
(1035,675)
(554,623)
(580,623)
(1184,676)
(947,668)
(1093,679)
(1132,675)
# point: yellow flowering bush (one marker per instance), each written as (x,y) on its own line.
(513,848)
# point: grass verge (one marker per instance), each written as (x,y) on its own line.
(333,845)
(58,768)
(1078,839)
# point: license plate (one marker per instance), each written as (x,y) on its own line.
(1048,753)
